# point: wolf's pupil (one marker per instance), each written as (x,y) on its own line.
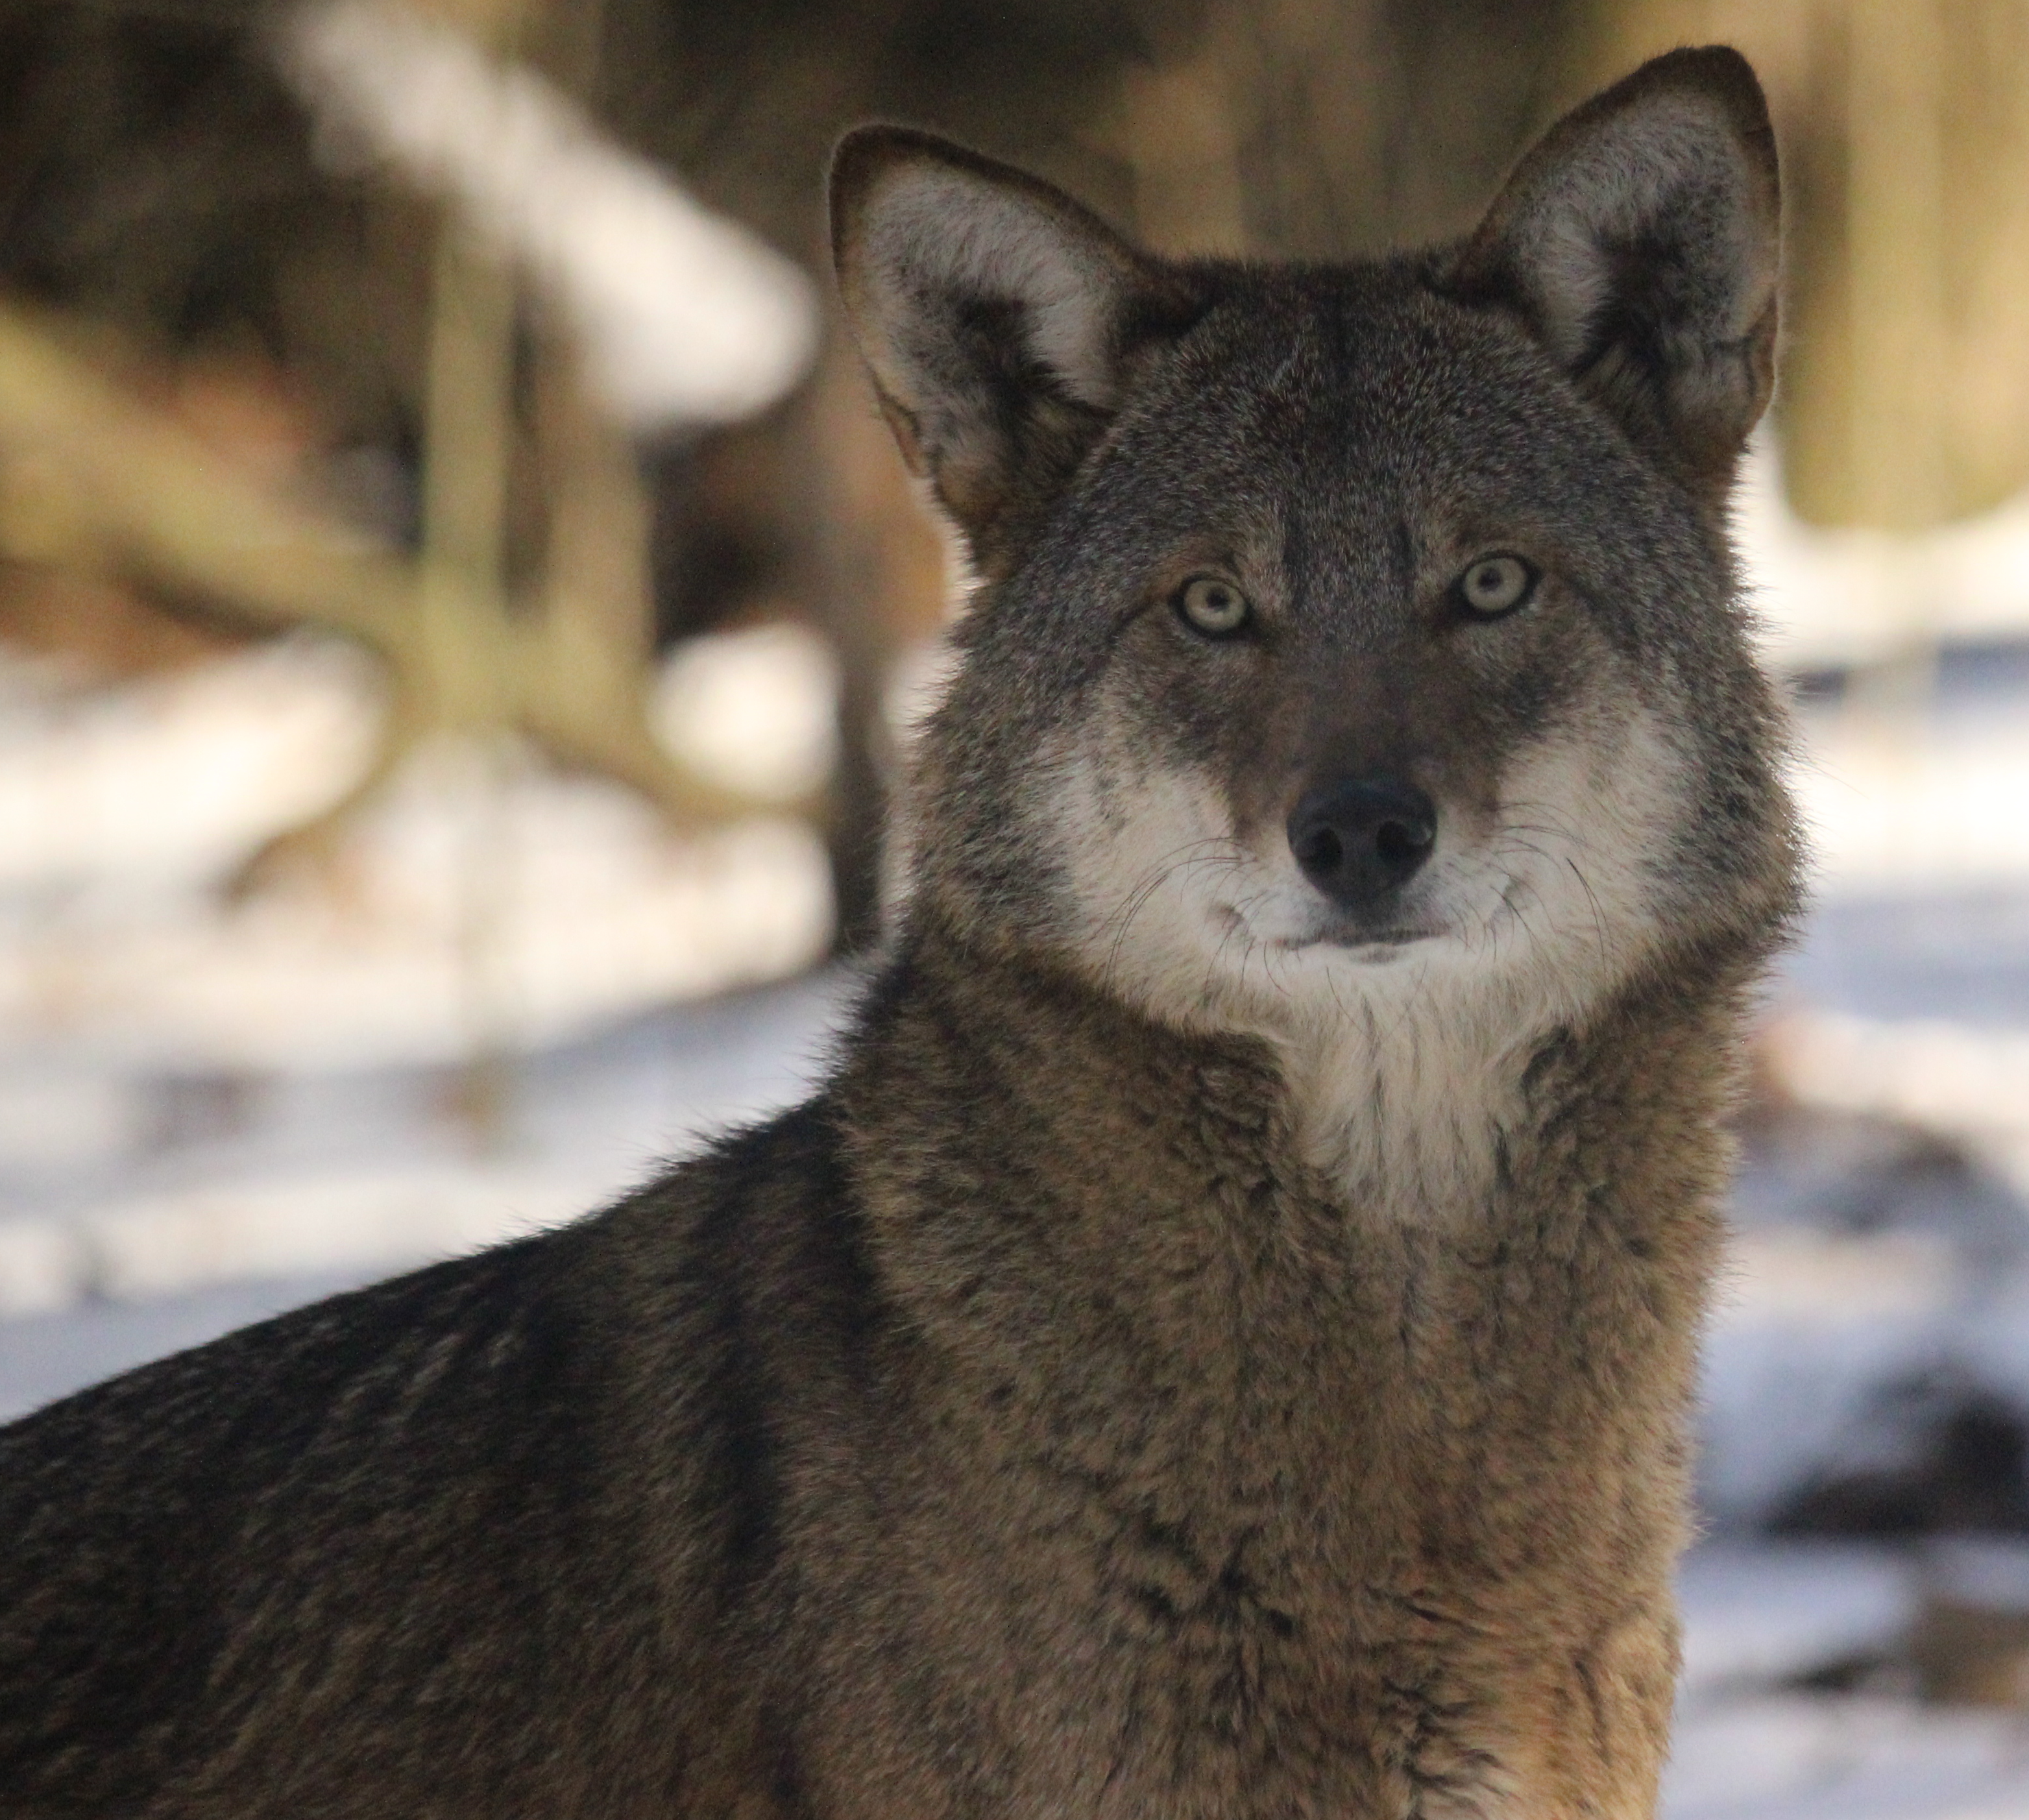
(1213,606)
(1497,584)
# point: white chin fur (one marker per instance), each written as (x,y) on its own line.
(1403,1063)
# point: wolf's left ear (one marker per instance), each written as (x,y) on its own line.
(1639,242)
(1000,319)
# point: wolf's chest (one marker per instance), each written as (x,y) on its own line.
(1239,1719)
(1267,1644)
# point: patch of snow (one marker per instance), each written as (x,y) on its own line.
(55,1119)
(46,1356)
(1906,953)
(1839,597)
(596,913)
(376,1222)
(687,318)
(1922,814)
(1797,1276)
(1806,1757)
(1783,1404)
(174,777)
(755,710)
(1756,1615)
(484,901)
(42,1267)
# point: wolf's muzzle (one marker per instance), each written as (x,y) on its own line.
(1359,839)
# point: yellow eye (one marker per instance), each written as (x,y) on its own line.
(1213,606)
(1497,584)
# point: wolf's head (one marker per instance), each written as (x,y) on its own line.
(1354,645)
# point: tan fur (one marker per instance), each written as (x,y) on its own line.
(1431,1479)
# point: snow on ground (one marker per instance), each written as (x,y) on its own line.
(483,901)
(1848,1757)
(201,1088)
(247,1198)
(233,1180)
(1752,1745)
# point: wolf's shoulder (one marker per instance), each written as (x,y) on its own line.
(527,1319)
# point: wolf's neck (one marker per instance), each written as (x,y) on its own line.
(1407,1090)
(1408,1115)
(985,1076)
(1089,1220)
(1423,1112)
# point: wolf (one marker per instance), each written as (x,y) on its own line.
(1219,1342)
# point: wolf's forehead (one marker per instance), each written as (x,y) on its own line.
(1356,432)
(1339,389)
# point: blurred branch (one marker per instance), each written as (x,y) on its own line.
(470,421)
(90,478)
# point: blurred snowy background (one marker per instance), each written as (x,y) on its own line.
(457,610)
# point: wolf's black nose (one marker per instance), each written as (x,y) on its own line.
(1358,839)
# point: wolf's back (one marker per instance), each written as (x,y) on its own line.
(400,1551)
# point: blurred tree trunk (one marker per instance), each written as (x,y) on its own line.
(1904,124)
(1328,128)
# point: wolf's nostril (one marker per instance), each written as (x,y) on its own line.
(1401,843)
(1320,850)
(1358,839)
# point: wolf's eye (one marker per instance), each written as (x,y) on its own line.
(1214,607)
(1497,584)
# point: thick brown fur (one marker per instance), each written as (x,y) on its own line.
(1199,1356)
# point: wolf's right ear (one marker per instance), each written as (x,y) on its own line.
(1000,319)
(1638,242)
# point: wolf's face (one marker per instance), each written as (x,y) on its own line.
(1356,662)
(1363,697)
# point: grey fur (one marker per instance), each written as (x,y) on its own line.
(1206,1351)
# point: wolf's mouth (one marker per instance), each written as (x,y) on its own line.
(1352,940)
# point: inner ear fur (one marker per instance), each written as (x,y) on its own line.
(1001,319)
(1639,242)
